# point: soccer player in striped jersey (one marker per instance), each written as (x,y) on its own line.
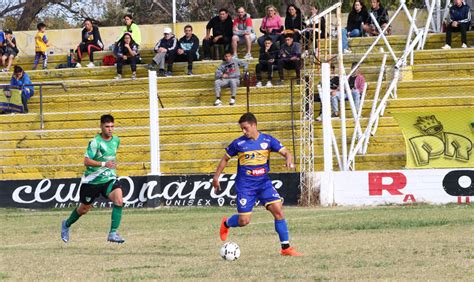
(252,182)
(100,178)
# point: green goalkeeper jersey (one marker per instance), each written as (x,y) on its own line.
(102,151)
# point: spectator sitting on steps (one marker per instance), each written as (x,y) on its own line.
(459,20)
(165,51)
(222,33)
(290,57)
(188,48)
(9,49)
(380,15)
(243,33)
(356,83)
(21,80)
(126,52)
(228,75)
(267,60)
(91,42)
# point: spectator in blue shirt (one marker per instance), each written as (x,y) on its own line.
(22,81)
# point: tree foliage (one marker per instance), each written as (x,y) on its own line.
(24,14)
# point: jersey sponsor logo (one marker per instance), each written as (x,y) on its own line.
(264,145)
(257,172)
(241,142)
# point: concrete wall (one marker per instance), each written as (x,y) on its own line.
(65,39)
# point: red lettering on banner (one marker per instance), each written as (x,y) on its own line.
(468,200)
(409,197)
(399,181)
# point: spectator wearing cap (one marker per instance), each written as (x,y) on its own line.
(165,51)
(222,32)
(243,33)
(21,81)
(188,48)
(9,49)
(290,57)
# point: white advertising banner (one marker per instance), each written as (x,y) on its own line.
(432,186)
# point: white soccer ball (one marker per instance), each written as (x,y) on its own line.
(230,251)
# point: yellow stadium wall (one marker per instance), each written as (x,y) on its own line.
(63,40)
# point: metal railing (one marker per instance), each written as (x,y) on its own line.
(40,86)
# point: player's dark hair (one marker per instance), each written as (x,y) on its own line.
(106,119)
(223,10)
(248,117)
(40,26)
(188,26)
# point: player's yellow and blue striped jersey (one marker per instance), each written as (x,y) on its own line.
(253,159)
(102,151)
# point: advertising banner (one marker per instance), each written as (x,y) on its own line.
(140,191)
(438,139)
(431,186)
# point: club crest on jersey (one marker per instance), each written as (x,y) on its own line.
(264,145)
(243,202)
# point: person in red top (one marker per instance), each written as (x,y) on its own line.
(243,32)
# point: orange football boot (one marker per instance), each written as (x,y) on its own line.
(290,252)
(224,231)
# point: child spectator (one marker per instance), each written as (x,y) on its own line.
(126,52)
(243,33)
(165,51)
(228,75)
(221,26)
(21,81)
(10,50)
(266,61)
(290,57)
(41,46)
(188,48)
(272,26)
(91,42)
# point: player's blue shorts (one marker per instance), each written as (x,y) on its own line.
(263,192)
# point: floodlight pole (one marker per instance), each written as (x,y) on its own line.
(154,125)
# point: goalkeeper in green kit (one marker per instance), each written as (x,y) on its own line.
(100,178)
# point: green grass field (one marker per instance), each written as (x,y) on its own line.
(391,243)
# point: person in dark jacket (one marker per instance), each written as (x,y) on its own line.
(290,57)
(188,48)
(222,32)
(459,20)
(357,17)
(126,52)
(165,51)
(294,22)
(381,15)
(266,61)
(21,81)
(91,42)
